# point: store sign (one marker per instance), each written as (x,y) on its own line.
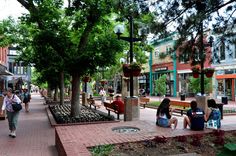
(161,69)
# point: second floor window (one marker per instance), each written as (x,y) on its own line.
(222,51)
(234,50)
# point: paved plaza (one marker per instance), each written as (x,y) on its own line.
(36,137)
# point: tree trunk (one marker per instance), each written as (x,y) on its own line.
(55,98)
(62,88)
(75,100)
(49,91)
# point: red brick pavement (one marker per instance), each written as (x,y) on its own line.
(73,140)
(35,137)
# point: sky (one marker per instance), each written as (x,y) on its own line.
(11,8)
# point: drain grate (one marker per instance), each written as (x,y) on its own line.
(125,129)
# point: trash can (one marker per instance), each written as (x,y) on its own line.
(182,97)
(224,100)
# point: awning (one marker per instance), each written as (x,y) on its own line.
(226,76)
(6,73)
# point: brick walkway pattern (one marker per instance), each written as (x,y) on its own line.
(35,136)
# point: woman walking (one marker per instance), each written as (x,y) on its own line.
(12,115)
(26,99)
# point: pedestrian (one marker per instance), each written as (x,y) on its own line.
(164,115)
(195,117)
(12,115)
(26,99)
(102,93)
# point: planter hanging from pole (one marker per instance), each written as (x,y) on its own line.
(126,70)
(195,74)
(209,74)
(136,72)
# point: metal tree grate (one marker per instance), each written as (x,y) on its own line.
(126,129)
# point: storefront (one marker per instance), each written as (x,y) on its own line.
(160,70)
(225,85)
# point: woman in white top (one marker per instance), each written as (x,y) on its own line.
(12,115)
(102,93)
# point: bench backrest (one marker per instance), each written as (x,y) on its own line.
(180,103)
(110,105)
(144,99)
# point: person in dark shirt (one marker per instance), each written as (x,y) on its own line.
(195,117)
(164,114)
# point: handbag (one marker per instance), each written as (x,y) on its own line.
(16,106)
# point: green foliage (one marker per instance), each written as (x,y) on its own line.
(104,150)
(160,85)
(194,85)
(154,103)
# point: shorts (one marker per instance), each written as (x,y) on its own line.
(163,122)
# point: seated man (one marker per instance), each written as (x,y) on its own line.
(118,102)
(195,117)
(213,115)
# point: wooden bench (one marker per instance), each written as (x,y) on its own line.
(112,107)
(180,105)
(144,101)
(91,103)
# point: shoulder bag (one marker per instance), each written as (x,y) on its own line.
(16,106)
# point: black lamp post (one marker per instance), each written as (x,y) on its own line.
(119,29)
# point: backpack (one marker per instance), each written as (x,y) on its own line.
(214,119)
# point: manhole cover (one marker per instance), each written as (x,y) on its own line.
(125,129)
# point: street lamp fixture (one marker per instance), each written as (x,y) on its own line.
(119,30)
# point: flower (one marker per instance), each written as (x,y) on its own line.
(196,68)
(135,65)
(209,69)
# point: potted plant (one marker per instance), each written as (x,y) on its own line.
(126,70)
(135,68)
(196,71)
(209,72)
(86,79)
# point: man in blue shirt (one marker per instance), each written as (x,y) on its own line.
(195,117)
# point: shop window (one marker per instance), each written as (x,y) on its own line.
(10,67)
(220,87)
(157,52)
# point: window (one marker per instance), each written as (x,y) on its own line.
(10,67)
(156,52)
(222,51)
(234,50)
(168,48)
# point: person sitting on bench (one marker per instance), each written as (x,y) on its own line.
(195,117)
(164,115)
(118,102)
(213,115)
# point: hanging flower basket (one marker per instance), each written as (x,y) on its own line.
(136,72)
(126,70)
(86,79)
(209,72)
(195,74)
(196,71)
(135,68)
